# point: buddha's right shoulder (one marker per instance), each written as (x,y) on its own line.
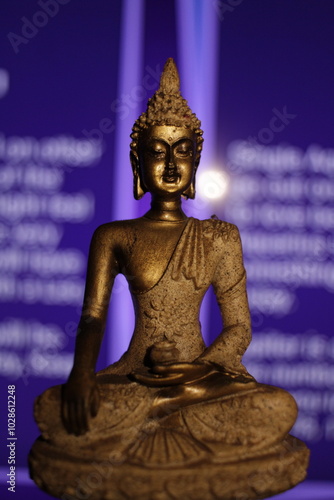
(112,231)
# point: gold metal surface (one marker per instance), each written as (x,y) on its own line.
(170,403)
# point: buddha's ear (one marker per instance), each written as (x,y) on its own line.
(138,190)
(134,161)
(190,192)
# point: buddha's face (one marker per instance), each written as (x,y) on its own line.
(167,160)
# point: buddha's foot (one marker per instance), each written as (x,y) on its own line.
(245,421)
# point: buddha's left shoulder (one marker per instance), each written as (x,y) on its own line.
(220,230)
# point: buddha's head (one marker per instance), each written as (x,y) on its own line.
(168,134)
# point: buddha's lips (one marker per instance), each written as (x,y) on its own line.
(174,177)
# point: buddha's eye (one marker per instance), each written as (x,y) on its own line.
(157,153)
(184,152)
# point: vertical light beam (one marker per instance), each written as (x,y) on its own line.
(198,45)
(121,316)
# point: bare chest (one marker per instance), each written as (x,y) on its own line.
(147,252)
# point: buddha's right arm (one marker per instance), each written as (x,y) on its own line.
(101,271)
(80,395)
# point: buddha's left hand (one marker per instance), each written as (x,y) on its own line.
(175,373)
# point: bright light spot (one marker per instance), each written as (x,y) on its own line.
(4,82)
(212,184)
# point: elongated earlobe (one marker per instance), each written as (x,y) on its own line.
(138,190)
(190,192)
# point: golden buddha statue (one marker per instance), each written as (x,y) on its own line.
(172,419)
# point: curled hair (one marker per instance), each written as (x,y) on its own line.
(167,107)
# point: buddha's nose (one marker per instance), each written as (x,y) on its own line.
(171,165)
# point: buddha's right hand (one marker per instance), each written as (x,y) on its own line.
(80,402)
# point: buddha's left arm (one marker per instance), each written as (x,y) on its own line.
(229,284)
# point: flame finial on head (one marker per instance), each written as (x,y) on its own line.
(170,80)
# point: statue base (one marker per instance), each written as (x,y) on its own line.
(273,471)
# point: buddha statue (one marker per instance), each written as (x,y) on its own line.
(173,418)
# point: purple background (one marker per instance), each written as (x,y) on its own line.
(63,82)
